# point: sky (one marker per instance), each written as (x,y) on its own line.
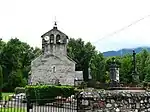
(91,20)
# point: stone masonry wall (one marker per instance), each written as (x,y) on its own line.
(121,102)
(42,70)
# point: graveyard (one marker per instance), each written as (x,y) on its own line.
(59,81)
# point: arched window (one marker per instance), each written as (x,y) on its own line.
(51,38)
(58,39)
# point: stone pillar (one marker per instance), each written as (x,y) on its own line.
(114,73)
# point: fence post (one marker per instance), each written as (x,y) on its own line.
(78,102)
(28,104)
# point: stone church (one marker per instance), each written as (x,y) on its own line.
(54,66)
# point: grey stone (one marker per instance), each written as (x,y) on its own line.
(112,101)
(148,109)
(117,110)
(125,102)
(109,105)
(141,101)
(128,95)
(137,105)
(54,66)
(136,110)
(145,101)
(106,110)
(115,105)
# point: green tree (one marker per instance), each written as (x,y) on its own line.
(147,78)
(97,65)
(81,53)
(142,64)
(75,48)
(89,51)
(126,69)
(1,82)
(147,68)
(2,45)
(17,55)
(16,80)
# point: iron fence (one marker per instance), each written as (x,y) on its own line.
(11,104)
(22,104)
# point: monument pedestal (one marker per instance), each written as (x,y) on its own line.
(127,89)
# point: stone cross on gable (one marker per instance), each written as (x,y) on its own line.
(55,22)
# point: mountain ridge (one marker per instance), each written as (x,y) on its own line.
(124,51)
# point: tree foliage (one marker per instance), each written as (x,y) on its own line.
(16,57)
(97,66)
(82,53)
(1,82)
(87,57)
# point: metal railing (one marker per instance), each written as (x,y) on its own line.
(22,104)
(11,104)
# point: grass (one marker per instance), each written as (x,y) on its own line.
(6,95)
(13,110)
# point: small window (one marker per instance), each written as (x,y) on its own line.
(58,39)
(64,40)
(53,69)
(51,38)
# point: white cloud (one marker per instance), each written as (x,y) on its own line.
(87,19)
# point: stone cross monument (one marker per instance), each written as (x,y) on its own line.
(135,77)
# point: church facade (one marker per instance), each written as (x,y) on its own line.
(54,66)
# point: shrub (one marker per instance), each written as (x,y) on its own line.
(19,90)
(15,79)
(46,93)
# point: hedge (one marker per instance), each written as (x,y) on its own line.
(46,93)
